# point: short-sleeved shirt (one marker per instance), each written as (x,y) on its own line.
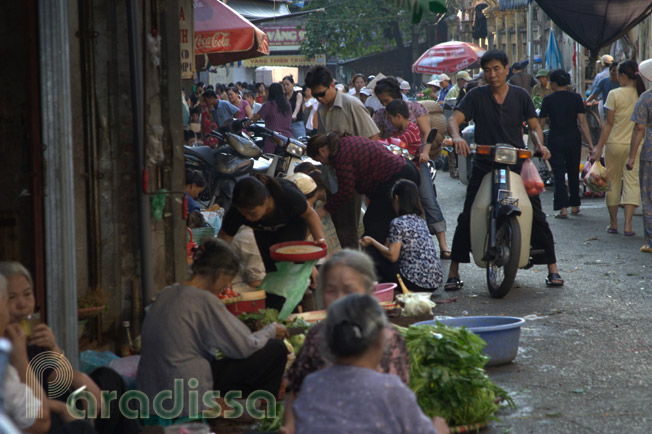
(346,115)
(643,115)
(498,123)
(621,101)
(223,112)
(605,86)
(275,121)
(361,165)
(381,118)
(243,106)
(352,399)
(418,260)
(290,204)
(444,92)
(411,137)
(562,108)
(599,77)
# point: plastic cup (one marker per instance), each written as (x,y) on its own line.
(30,322)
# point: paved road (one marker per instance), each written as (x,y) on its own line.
(585,357)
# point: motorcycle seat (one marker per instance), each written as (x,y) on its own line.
(204,153)
(243,146)
(233,165)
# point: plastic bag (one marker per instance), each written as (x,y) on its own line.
(531,179)
(597,178)
(290,280)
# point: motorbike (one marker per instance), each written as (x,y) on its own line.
(501,219)
(290,151)
(236,156)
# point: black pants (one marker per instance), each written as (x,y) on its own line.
(345,220)
(263,370)
(542,238)
(565,154)
(380,214)
(295,230)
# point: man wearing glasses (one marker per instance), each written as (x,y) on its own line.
(345,114)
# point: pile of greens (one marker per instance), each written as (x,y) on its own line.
(258,320)
(448,377)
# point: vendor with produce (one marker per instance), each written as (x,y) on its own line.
(369,168)
(351,395)
(188,325)
(346,272)
(277,211)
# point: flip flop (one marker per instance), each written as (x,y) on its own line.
(445,254)
(576,212)
(629,234)
(554,279)
(561,216)
(453,284)
(611,230)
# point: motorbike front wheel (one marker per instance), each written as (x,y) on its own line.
(501,271)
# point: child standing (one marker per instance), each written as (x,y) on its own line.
(408,132)
(409,241)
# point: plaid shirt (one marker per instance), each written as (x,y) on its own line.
(361,165)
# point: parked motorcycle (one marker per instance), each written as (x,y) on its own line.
(235,157)
(290,151)
(501,219)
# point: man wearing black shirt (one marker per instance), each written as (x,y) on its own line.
(499,111)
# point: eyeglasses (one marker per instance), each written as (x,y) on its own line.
(319,94)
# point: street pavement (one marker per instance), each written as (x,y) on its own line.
(585,359)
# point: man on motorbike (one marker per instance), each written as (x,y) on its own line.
(499,110)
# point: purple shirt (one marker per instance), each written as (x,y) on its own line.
(242,106)
(276,121)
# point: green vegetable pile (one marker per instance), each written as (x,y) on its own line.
(537,100)
(258,320)
(272,423)
(448,377)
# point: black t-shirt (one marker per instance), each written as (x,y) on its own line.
(293,104)
(498,123)
(290,204)
(561,108)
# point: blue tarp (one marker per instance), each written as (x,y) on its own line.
(506,5)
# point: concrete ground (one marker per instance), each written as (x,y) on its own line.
(585,358)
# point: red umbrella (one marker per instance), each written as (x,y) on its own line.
(222,35)
(448,57)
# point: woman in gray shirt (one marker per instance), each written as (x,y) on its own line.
(187,326)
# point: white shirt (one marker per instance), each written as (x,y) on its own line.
(312,104)
(21,405)
(373,102)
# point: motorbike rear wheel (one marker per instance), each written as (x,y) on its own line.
(501,271)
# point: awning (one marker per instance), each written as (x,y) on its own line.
(222,35)
(596,23)
(288,60)
(254,9)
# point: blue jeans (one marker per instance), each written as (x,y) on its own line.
(298,129)
(434,216)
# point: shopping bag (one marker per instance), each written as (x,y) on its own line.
(531,179)
(290,280)
(597,178)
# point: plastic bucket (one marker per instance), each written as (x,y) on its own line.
(501,333)
(385,291)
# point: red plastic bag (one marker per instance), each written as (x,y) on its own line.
(531,179)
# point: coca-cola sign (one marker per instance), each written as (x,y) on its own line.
(206,42)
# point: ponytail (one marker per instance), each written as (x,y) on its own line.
(630,69)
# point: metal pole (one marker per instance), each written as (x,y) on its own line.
(530,18)
(56,122)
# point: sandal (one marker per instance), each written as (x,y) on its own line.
(554,279)
(561,216)
(646,248)
(445,254)
(453,284)
(575,210)
(611,230)
(629,234)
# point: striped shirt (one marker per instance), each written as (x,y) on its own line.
(412,138)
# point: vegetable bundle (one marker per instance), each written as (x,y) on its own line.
(447,374)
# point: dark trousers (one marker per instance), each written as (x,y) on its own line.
(542,238)
(345,220)
(295,230)
(565,159)
(263,370)
(380,214)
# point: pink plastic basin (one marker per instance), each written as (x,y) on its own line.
(385,291)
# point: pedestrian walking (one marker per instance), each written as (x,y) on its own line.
(615,140)
(565,109)
(277,114)
(642,117)
(296,102)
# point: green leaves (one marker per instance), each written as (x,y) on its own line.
(447,374)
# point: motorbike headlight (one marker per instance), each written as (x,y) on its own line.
(295,149)
(506,155)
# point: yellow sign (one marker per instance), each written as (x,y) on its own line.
(186,39)
(290,60)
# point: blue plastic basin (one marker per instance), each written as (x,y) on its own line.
(501,333)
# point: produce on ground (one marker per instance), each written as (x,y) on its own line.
(448,377)
(258,320)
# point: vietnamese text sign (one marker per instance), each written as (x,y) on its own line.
(284,37)
(290,60)
(186,39)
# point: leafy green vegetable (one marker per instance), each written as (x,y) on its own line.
(448,377)
(273,423)
(258,320)
(537,100)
